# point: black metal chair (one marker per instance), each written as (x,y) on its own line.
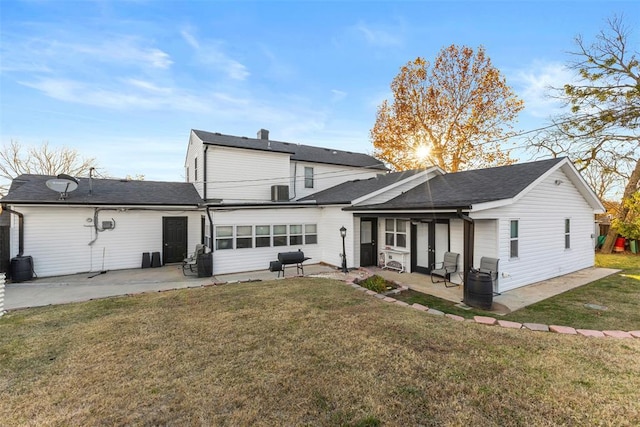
(445,268)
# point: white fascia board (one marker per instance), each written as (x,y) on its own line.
(491,205)
(421,177)
(404,212)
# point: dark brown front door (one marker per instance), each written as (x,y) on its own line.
(368,245)
(174,239)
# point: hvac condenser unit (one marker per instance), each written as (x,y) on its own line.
(279,193)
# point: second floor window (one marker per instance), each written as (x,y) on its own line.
(308,177)
(195,170)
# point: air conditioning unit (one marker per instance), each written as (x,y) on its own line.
(279,193)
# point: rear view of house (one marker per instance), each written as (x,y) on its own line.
(247,199)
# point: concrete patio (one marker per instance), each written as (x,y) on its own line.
(87,286)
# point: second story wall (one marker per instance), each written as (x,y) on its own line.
(308,178)
(238,175)
(193,167)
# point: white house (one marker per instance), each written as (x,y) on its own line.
(249,198)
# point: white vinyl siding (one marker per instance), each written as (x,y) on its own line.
(58,238)
(195,149)
(236,175)
(324,176)
(541,238)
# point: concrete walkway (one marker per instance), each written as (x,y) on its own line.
(508,301)
(88,286)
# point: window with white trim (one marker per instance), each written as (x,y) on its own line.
(263,236)
(224,237)
(295,234)
(513,238)
(396,232)
(280,235)
(310,234)
(244,236)
(567,233)
(195,170)
(308,177)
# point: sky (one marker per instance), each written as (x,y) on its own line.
(125,81)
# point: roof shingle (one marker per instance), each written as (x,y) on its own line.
(32,189)
(300,152)
(462,189)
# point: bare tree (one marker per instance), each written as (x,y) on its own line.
(16,160)
(601,131)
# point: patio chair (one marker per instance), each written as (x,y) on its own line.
(490,267)
(445,268)
(190,263)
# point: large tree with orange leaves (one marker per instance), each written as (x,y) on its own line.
(452,114)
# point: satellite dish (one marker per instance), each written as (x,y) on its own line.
(63,184)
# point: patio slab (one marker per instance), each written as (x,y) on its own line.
(87,286)
(508,301)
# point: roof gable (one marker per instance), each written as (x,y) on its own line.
(299,152)
(31,189)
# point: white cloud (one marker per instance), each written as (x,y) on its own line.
(338,95)
(120,98)
(378,36)
(211,53)
(536,84)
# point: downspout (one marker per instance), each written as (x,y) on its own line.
(204,174)
(295,179)
(20,228)
(469,228)
(210,229)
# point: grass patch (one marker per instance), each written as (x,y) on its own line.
(620,293)
(299,351)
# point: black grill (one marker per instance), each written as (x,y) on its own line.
(289,258)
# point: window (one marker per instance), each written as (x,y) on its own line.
(308,177)
(295,234)
(310,234)
(395,232)
(244,236)
(263,236)
(279,235)
(567,233)
(195,170)
(224,237)
(513,251)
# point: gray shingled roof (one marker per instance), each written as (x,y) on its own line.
(464,189)
(349,191)
(31,189)
(303,153)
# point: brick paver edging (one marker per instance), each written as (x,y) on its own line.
(490,321)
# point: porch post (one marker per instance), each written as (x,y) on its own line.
(468,249)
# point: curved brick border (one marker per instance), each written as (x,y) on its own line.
(490,321)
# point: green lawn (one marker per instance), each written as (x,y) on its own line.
(620,293)
(300,352)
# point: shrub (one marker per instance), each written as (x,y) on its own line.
(375,283)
